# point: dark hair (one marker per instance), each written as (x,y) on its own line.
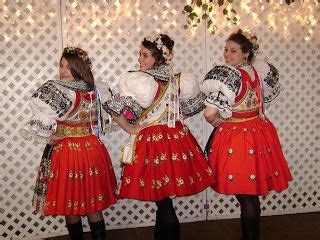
(79,69)
(245,45)
(157,53)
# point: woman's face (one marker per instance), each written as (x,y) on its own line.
(64,71)
(233,54)
(146,60)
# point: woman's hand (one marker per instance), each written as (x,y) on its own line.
(217,121)
(129,128)
(136,128)
(212,116)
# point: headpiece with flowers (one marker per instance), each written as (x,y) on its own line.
(83,55)
(252,39)
(166,53)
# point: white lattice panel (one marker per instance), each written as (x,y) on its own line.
(296,115)
(30,48)
(32,36)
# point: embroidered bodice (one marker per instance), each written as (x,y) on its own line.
(136,92)
(55,104)
(247,100)
(235,93)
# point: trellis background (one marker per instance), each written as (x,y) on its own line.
(33,34)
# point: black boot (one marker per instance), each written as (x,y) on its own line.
(250,228)
(75,230)
(98,231)
(167,224)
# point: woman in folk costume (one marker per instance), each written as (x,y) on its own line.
(75,177)
(162,159)
(244,150)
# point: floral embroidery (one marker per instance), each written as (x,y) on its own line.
(166,180)
(184,157)
(174,157)
(193,106)
(54,97)
(191,180)
(141,182)
(180,181)
(230,177)
(209,171)
(127,180)
(252,177)
(156,184)
(156,161)
(227,75)
(74,146)
(163,157)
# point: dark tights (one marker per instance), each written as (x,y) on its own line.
(250,216)
(96,223)
(167,225)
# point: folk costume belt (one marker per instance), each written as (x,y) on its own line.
(74,131)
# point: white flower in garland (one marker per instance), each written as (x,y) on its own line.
(166,53)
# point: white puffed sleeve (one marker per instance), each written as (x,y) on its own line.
(221,86)
(131,93)
(189,86)
(51,102)
(269,79)
(191,98)
(139,85)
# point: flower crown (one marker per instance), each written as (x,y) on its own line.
(166,53)
(83,55)
(252,39)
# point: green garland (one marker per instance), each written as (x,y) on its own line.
(203,10)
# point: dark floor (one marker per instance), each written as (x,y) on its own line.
(294,227)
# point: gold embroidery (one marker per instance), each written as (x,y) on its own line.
(75,206)
(100,198)
(209,171)
(184,157)
(199,176)
(88,145)
(176,136)
(163,157)
(174,157)
(67,131)
(58,147)
(140,137)
(179,181)
(74,146)
(156,184)
(141,181)
(146,161)
(191,180)
(166,180)
(127,180)
(156,161)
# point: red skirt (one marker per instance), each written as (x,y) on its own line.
(81,179)
(168,162)
(246,158)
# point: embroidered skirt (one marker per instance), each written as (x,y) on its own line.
(167,162)
(246,158)
(81,177)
